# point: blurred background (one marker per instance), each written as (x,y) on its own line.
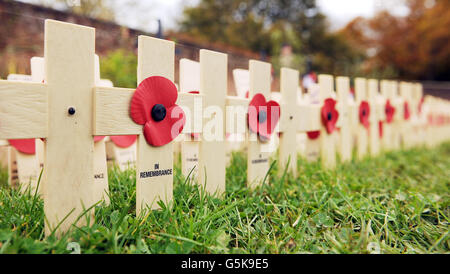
(383,39)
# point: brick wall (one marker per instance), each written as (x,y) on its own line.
(22,37)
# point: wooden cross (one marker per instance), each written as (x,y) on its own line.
(100,167)
(405,90)
(419,119)
(154,165)
(213,86)
(36,110)
(327,141)
(288,120)
(345,136)
(189,81)
(312,145)
(387,94)
(376,114)
(397,102)
(362,134)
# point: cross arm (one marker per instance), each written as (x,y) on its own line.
(309,118)
(23,110)
(111,111)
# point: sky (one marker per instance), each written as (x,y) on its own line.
(144,15)
(339,12)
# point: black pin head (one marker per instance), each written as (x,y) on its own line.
(71,110)
(262,116)
(158,112)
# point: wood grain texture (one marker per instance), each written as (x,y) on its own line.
(290,116)
(258,157)
(156,57)
(69,167)
(212,152)
(23,110)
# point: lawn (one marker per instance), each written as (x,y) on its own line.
(396,203)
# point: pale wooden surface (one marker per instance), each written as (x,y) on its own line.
(397,102)
(69,66)
(327,141)
(28,104)
(258,157)
(38,76)
(311,121)
(345,137)
(156,57)
(124,157)
(288,151)
(213,85)
(374,118)
(100,191)
(406,130)
(189,81)
(362,134)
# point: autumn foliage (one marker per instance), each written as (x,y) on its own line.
(415,46)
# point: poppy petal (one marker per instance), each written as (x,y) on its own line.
(328,108)
(389,111)
(163,132)
(406,112)
(124,141)
(312,135)
(253,110)
(364,114)
(27,146)
(98,138)
(153,90)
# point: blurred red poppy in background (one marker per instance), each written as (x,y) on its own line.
(329,115)
(389,110)
(364,113)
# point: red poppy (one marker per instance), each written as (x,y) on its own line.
(312,135)
(380,128)
(27,146)
(195,136)
(364,113)
(406,112)
(124,141)
(329,114)
(263,116)
(389,110)
(153,105)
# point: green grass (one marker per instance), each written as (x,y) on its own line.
(396,203)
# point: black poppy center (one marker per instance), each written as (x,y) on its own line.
(387,110)
(158,112)
(364,112)
(262,116)
(329,116)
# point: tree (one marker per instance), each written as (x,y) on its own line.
(411,47)
(266,25)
